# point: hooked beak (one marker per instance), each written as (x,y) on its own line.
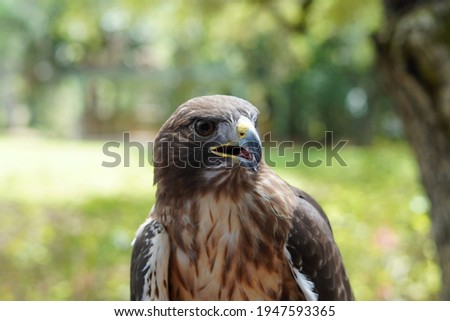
(247,149)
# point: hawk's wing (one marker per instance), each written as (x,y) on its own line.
(150,263)
(314,256)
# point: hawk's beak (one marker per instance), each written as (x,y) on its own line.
(247,148)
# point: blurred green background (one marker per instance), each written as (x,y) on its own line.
(74,74)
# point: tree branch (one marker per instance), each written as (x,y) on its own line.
(299,26)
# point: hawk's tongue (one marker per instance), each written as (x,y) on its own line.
(245,154)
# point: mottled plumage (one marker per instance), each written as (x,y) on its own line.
(224,225)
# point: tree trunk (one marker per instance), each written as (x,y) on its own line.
(413,55)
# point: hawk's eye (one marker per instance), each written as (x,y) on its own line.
(204,127)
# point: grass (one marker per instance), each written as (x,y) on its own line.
(66,222)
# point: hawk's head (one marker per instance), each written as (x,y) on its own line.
(205,136)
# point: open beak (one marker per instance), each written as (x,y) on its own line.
(247,148)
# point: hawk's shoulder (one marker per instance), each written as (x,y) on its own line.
(149,262)
(313,252)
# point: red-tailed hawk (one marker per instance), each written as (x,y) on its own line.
(224,225)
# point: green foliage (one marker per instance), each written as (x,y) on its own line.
(66,222)
(83,68)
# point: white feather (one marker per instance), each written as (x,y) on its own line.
(157,264)
(306,285)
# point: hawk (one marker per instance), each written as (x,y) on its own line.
(224,226)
